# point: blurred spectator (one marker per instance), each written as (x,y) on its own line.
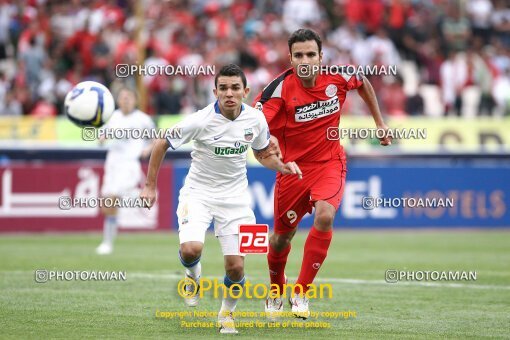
(44,108)
(502,93)
(62,21)
(455,29)
(48,46)
(169,100)
(153,58)
(487,75)
(6,12)
(415,105)
(501,22)
(460,71)
(4,87)
(221,25)
(501,59)
(79,45)
(33,59)
(393,98)
(101,58)
(366,14)
(349,39)
(480,12)
(381,50)
(299,13)
(62,87)
(46,88)
(10,106)
(431,61)
(449,82)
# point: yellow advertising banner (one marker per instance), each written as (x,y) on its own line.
(28,129)
(412,134)
(430,134)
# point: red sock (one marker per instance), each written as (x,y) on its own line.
(276,262)
(316,249)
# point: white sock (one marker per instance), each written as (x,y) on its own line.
(195,272)
(109,229)
(228,304)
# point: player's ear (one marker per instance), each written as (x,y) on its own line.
(320,57)
(215,93)
(290,58)
(246,91)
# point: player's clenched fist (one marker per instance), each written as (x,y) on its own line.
(386,140)
(149,194)
(291,168)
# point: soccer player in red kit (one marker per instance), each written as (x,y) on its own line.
(301,106)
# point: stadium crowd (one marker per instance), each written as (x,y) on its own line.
(452,57)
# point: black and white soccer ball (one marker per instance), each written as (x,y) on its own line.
(89,104)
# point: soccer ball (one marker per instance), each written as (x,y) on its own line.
(89,104)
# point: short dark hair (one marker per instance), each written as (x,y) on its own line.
(230,70)
(302,35)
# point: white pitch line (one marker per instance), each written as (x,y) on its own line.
(173,276)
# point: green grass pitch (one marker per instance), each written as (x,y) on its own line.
(355,268)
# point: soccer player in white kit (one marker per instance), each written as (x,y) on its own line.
(216,187)
(122,171)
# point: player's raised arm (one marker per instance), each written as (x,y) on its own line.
(367,93)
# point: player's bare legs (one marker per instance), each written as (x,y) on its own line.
(109,229)
(324,216)
(280,242)
(190,251)
(279,249)
(315,252)
(234,280)
(234,267)
(189,254)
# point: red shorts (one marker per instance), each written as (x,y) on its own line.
(293,198)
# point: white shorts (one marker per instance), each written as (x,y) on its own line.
(122,179)
(195,216)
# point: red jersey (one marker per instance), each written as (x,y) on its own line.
(300,117)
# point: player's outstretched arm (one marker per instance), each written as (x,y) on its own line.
(367,93)
(273,162)
(157,156)
(146,152)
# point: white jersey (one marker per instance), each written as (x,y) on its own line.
(127,150)
(218,166)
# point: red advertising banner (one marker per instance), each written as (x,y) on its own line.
(31,197)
